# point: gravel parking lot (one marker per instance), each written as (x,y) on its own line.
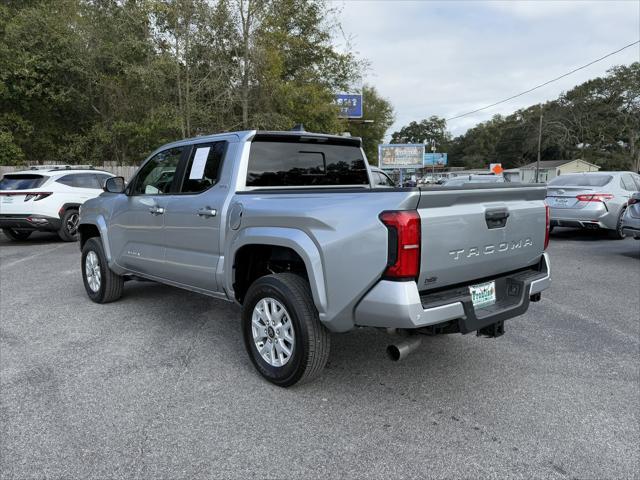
(158,385)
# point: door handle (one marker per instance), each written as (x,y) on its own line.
(156,210)
(207,212)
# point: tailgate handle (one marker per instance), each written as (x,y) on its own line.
(496,217)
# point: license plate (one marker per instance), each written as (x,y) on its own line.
(561,202)
(7,199)
(483,294)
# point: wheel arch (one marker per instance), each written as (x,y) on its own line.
(284,241)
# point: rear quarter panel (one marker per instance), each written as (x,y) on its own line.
(345,228)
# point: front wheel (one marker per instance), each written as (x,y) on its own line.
(101,284)
(16,235)
(282,332)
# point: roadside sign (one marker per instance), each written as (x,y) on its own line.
(496,168)
(350,105)
(435,159)
(403,156)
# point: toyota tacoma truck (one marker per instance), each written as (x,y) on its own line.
(293,228)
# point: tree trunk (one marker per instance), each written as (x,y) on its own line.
(246,26)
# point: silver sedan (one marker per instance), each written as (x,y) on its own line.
(631,219)
(591,200)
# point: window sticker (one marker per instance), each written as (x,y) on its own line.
(199,162)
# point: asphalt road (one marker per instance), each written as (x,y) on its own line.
(158,384)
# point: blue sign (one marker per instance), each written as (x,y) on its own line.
(350,105)
(435,159)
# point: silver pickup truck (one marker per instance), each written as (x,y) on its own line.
(294,228)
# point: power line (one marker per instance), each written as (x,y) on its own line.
(545,83)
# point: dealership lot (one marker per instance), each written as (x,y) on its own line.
(158,384)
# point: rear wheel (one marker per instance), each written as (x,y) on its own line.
(69,229)
(16,235)
(618,234)
(282,332)
(101,284)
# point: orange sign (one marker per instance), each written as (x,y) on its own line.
(496,168)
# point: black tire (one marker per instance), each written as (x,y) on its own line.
(16,235)
(618,234)
(69,228)
(312,340)
(110,285)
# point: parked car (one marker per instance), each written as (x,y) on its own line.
(631,218)
(591,200)
(380,179)
(471,179)
(46,200)
(291,227)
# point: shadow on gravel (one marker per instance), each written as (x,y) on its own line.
(36,238)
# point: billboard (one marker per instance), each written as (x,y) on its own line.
(350,105)
(435,159)
(407,155)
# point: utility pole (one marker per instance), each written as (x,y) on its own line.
(539,145)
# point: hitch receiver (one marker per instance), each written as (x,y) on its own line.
(492,331)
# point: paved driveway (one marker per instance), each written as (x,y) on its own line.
(158,384)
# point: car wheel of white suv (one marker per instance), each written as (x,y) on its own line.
(69,229)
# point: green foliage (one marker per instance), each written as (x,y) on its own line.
(88,81)
(598,121)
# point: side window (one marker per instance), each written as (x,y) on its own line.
(66,180)
(384,180)
(86,180)
(203,167)
(79,180)
(156,176)
(626,181)
(102,177)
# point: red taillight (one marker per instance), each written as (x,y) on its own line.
(404,244)
(594,197)
(548,228)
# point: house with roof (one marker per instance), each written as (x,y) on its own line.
(552,168)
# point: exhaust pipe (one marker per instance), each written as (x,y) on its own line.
(399,351)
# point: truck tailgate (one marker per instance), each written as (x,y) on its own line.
(477,232)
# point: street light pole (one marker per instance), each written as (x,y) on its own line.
(539,145)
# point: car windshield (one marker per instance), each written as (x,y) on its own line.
(21,182)
(581,180)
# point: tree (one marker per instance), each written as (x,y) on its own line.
(432,129)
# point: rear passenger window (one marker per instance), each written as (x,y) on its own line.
(80,180)
(627,182)
(203,167)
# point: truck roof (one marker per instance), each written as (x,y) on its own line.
(246,135)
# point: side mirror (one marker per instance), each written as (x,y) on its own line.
(114,185)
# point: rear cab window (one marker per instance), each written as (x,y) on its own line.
(581,180)
(299,161)
(21,181)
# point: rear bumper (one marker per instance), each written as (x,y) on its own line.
(30,222)
(596,216)
(400,305)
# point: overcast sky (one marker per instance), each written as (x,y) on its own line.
(447,58)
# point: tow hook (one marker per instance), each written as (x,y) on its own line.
(536,297)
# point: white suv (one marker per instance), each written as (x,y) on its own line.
(46,200)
